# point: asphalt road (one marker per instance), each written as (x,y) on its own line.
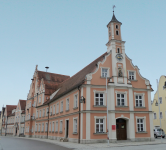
(11,143)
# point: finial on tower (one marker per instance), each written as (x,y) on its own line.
(113,7)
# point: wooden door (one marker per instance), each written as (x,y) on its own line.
(121,132)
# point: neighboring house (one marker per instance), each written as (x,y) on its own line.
(7,113)
(42,86)
(63,117)
(2,119)
(162,102)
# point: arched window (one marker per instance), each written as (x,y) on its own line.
(117,32)
(118,50)
(116,26)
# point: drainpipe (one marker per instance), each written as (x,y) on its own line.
(6,125)
(48,120)
(79,115)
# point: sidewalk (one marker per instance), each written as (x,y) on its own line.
(98,146)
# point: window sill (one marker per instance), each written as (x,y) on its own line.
(144,132)
(60,132)
(122,106)
(67,110)
(75,108)
(105,77)
(100,133)
(99,106)
(61,112)
(133,80)
(75,133)
(56,131)
(140,107)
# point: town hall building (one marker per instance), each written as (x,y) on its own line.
(74,108)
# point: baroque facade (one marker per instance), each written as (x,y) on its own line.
(75,108)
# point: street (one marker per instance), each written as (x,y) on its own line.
(12,143)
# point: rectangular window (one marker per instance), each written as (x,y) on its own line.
(75,125)
(99,125)
(32,129)
(104,72)
(120,100)
(39,128)
(56,126)
(161,115)
(61,124)
(138,100)
(52,126)
(67,104)
(155,117)
(43,112)
(36,127)
(61,106)
(50,110)
(140,125)
(47,111)
(54,109)
(46,127)
(99,97)
(131,75)
(37,114)
(160,100)
(75,100)
(40,113)
(39,99)
(42,127)
(57,108)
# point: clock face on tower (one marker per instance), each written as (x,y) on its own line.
(119,57)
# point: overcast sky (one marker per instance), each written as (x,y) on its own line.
(67,35)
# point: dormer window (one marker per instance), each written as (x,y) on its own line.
(117,32)
(116,26)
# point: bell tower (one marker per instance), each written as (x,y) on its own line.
(116,46)
(114,29)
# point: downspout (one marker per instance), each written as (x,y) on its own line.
(48,120)
(79,115)
(6,125)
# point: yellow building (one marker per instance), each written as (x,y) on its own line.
(162,103)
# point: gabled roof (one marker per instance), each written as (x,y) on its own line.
(77,79)
(114,20)
(22,104)
(9,109)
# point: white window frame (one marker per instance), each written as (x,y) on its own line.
(104,123)
(53,126)
(75,100)
(39,127)
(37,114)
(67,103)
(144,123)
(42,127)
(134,74)
(54,110)
(36,127)
(43,112)
(46,127)
(125,97)
(50,126)
(104,95)
(40,112)
(108,72)
(61,126)
(143,98)
(57,108)
(75,129)
(61,107)
(40,99)
(56,127)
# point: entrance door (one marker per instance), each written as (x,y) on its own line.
(67,128)
(121,132)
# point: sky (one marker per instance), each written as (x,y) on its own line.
(67,35)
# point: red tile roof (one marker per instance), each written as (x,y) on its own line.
(9,109)
(22,104)
(77,79)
